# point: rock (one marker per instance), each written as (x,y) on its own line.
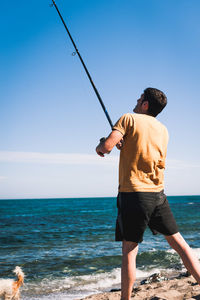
(115,290)
(156,277)
(184,274)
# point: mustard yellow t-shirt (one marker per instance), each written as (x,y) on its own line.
(142,158)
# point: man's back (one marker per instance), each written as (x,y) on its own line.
(142,158)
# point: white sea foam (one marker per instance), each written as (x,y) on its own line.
(195,250)
(70,288)
(77,287)
(171,251)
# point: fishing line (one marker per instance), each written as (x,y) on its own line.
(84,66)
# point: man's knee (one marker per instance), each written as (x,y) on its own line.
(173,237)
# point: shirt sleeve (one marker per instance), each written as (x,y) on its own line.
(124,124)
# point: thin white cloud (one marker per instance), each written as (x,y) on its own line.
(77,159)
(178,164)
(3,178)
(56,158)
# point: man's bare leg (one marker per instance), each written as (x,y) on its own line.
(191,262)
(128,271)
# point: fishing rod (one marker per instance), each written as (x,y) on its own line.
(84,66)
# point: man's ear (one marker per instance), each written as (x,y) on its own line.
(145,105)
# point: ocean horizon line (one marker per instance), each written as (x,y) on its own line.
(85,197)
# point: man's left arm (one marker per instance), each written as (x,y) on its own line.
(106,146)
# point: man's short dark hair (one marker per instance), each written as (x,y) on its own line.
(157,101)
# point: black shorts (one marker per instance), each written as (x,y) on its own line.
(138,210)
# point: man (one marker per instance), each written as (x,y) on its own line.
(141,199)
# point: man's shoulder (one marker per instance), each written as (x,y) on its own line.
(149,120)
(136,118)
(127,115)
(161,124)
(127,118)
(132,116)
(162,128)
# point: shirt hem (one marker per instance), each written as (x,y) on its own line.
(133,189)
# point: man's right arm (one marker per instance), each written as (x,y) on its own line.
(109,143)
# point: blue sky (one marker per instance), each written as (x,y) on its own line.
(50,117)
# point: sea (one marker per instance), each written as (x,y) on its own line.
(66,247)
